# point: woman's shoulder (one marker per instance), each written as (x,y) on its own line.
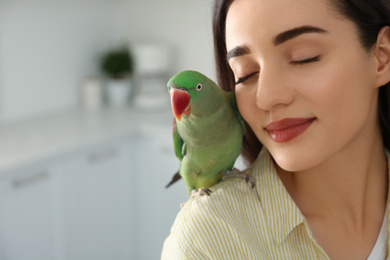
(207,225)
(226,202)
(232,199)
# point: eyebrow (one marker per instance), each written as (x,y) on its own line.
(293,33)
(278,39)
(237,51)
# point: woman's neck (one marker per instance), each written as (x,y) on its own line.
(344,199)
(344,188)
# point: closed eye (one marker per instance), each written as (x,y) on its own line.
(301,62)
(243,79)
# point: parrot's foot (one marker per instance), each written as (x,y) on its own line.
(197,193)
(235,173)
(200,192)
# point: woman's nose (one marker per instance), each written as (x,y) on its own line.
(273,90)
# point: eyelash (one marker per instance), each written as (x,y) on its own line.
(241,80)
(299,62)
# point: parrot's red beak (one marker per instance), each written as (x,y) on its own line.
(180,101)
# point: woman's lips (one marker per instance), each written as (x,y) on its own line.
(288,128)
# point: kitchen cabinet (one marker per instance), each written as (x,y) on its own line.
(98,202)
(156,206)
(31,213)
(100,195)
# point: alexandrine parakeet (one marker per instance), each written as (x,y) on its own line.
(207,131)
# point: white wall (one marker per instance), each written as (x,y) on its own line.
(45,50)
(184,24)
(48,47)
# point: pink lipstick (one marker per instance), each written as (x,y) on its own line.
(288,128)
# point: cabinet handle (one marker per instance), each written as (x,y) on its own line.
(99,157)
(20,183)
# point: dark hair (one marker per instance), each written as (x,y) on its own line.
(369,16)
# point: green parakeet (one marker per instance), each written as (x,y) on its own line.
(208,129)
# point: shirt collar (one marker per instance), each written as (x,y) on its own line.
(282,214)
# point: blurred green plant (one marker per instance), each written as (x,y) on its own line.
(117,63)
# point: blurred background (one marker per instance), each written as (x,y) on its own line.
(85,124)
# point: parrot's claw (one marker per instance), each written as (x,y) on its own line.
(235,173)
(197,193)
(200,192)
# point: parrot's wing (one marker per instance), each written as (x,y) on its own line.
(178,142)
(237,112)
(178,145)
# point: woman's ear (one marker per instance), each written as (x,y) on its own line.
(382,53)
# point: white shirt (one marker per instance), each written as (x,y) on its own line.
(379,250)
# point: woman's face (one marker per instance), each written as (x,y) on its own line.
(304,83)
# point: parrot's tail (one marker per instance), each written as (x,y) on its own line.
(175,178)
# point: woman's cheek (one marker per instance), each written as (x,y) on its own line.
(242,102)
(246,102)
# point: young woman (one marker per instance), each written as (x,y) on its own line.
(311,79)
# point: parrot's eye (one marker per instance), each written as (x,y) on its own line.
(199,87)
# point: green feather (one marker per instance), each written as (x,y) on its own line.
(208,140)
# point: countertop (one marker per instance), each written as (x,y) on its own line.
(44,137)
